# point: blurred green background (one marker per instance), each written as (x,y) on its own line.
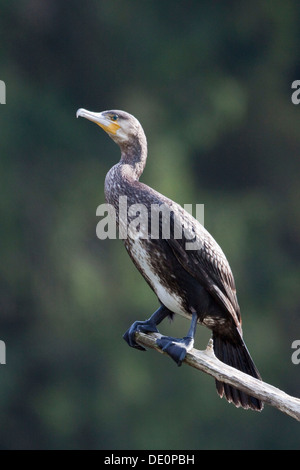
(211,84)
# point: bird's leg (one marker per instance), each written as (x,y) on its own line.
(146,326)
(176,347)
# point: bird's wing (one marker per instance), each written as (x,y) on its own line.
(206,262)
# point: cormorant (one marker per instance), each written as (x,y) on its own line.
(196,283)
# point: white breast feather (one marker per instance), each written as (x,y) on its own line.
(170,300)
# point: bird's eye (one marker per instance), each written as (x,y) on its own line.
(114,117)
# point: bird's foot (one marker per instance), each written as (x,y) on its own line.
(176,347)
(142,326)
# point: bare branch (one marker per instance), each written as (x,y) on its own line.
(207,362)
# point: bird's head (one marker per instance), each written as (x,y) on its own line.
(122,127)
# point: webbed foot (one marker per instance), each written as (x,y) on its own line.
(176,348)
(147,326)
(142,326)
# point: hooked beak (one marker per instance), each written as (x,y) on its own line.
(103,121)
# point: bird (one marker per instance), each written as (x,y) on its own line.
(195,283)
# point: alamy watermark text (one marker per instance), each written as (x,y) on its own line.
(2,92)
(296,354)
(2,353)
(157,221)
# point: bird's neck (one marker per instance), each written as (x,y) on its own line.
(134,156)
(121,177)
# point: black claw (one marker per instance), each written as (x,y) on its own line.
(142,326)
(176,348)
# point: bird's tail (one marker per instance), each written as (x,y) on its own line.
(235,353)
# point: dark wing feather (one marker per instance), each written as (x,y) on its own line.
(207,263)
